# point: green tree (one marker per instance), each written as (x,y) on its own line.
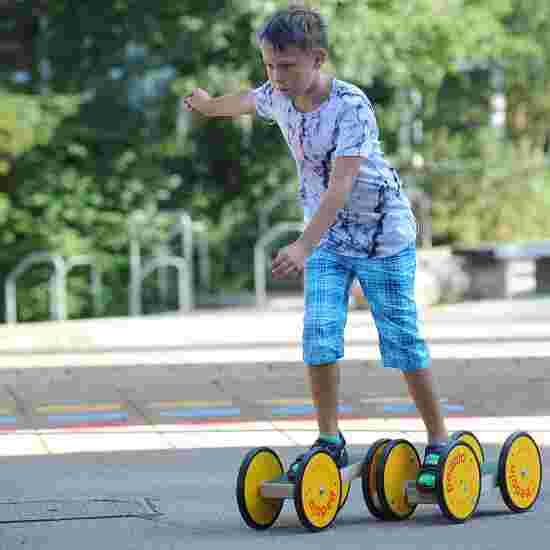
(96,137)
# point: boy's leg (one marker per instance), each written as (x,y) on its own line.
(422,390)
(389,284)
(325,384)
(326,293)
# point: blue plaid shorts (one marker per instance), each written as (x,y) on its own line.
(389,286)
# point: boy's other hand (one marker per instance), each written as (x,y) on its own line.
(197,100)
(290,260)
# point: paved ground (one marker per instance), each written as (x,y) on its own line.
(194,490)
(104,424)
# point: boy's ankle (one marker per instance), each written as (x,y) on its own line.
(334,439)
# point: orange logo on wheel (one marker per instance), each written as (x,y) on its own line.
(322,511)
(458,459)
(514,482)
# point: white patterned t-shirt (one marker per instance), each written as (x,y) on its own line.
(377,219)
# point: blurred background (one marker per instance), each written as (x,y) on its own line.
(113,202)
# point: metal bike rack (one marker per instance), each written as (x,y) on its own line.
(204,254)
(138,272)
(260,257)
(58,304)
(421,205)
(95,278)
(184,228)
(200,231)
(263,216)
(181,266)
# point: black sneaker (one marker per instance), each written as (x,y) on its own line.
(425,480)
(336,450)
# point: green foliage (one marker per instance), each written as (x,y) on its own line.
(488,201)
(101,138)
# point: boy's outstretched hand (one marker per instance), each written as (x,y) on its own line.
(290,260)
(197,100)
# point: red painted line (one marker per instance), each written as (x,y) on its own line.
(233,421)
(91,427)
(206,421)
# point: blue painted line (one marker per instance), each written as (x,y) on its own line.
(454,408)
(87,417)
(201,413)
(410,407)
(399,407)
(304,410)
(8,419)
(293,410)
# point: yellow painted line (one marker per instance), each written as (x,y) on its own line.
(188,404)
(47,409)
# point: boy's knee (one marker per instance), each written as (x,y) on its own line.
(321,358)
(409,357)
(323,342)
(322,353)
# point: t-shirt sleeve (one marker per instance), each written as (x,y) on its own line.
(265,101)
(357,131)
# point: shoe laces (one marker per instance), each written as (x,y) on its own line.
(333,448)
(324,444)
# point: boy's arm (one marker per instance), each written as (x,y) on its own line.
(341,182)
(231,105)
(291,259)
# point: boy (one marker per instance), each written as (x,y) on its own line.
(359,223)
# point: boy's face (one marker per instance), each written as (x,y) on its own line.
(291,71)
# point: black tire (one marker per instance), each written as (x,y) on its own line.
(298,498)
(241,490)
(503,457)
(381,474)
(369,468)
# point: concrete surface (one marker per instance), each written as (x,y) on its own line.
(128,433)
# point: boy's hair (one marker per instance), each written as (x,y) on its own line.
(300,27)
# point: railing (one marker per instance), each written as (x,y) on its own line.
(57,283)
(95,278)
(421,205)
(58,306)
(204,254)
(284,194)
(184,229)
(260,257)
(184,296)
(199,237)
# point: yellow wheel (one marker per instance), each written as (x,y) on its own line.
(398,464)
(318,490)
(258,465)
(458,483)
(368,478)
(472,440)
(520,472)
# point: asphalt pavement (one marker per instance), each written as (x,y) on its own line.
(128,433)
